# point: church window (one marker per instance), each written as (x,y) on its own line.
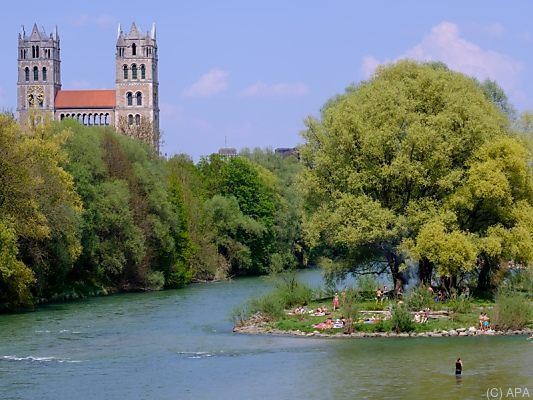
(27,74)
(143,72)
(125,68)
(130,119)
(35,73)
(129,98)
(44,73)
(32,51)
(133,49)
(36,51)
(133,71)
(139,97)
(137,119)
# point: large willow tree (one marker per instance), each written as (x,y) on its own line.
(400,159)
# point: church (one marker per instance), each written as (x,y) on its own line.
(132,107)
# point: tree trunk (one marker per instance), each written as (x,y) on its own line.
(425,271)
(394,261)
(484,281)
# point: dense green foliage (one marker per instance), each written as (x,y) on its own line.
(418,166)
(86,211)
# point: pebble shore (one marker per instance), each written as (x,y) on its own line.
(459,332)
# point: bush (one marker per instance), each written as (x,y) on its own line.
(401,319)
(290,292)
(512,310)
(459,305)
(269,305)
(156,280)
(420,298)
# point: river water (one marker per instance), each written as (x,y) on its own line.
(178,344)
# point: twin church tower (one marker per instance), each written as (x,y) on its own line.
(132,107)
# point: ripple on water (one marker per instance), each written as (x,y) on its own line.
(39,359)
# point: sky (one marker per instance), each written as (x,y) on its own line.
(240,73)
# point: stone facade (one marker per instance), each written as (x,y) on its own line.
(132,107)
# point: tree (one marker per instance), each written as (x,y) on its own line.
(384,156)
(38,200)
(254,189)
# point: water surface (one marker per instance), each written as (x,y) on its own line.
(178,345)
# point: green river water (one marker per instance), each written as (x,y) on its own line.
(179,345)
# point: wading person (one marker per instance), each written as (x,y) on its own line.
(458,367)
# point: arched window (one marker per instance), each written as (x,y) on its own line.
(32,51)
(143,72)
(137,120)
(36,51)
(129,98)
(35,73)
(125,68)
(130,119)
(133,71)
(139,97)
(44,73)
(133,49)
(27,74)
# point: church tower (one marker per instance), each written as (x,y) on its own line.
(39,73)
(137,87)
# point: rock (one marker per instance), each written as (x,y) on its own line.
(461,330)
(472,329)
(453,332)
(310,334)
(444,333)
(403,334)
(463,333)
(437,334)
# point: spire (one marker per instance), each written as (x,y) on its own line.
(56,33)
(152,33)
(35,34)
(119,30)
(134,33)
(22,32)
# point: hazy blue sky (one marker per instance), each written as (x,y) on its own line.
(251,72)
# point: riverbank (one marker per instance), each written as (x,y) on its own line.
(258,326)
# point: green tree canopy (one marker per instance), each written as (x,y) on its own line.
(384,156)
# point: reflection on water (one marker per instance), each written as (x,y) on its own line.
(179,345)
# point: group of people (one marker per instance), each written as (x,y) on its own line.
(484,322)
(422,316)
(381,294)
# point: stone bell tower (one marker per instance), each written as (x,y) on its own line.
(137,86)
(39,73)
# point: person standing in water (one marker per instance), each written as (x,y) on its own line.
(458,367)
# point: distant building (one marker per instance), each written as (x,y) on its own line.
(227,152)
(132,107)
(288,151)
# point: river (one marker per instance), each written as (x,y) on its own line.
(178,344)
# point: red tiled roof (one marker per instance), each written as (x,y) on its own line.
(85,99)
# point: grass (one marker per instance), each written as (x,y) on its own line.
(507,312)
(305,322)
